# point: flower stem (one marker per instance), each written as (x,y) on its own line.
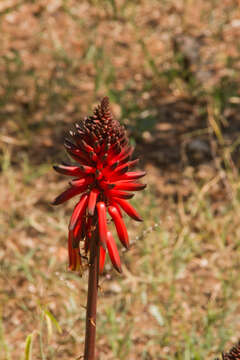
(89,351)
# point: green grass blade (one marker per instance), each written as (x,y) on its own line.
(49,316)
(28,347)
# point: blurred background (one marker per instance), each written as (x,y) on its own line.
(171,71)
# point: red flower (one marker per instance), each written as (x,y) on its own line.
(102,175)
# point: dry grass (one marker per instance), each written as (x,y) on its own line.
(170,70)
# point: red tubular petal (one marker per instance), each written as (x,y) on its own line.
(102,256)
(122,169)
(68,194)
(93,156)
(117,207)
(113,252)
(87,147)
(68,170)
(120,194)
(81,160)
(120,226)
(80,182)
(92,201)
(106,146)
(97,146)
(126,151)
(129,209)
(78,211)
(78,232)
(102,222)
(80,229)
(125,159)
(98,174)
(133,175)
(103,158)
(106,185)
(79,156)
(129,186)
(114,165)
(87,169)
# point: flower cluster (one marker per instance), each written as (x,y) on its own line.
(102,176)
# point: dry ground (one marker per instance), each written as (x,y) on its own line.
(171,71)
